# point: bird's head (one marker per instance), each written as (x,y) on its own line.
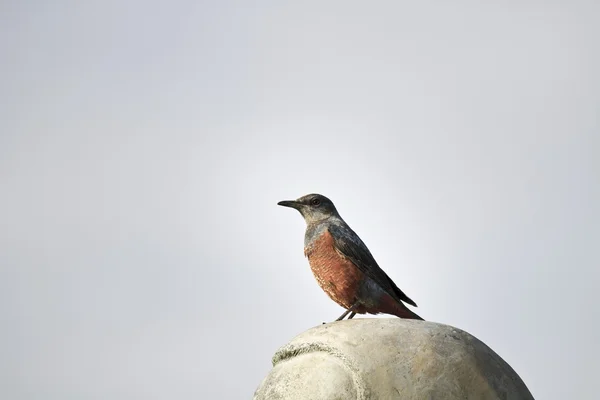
(313,207)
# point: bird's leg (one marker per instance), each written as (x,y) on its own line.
(348,311)
(343,315)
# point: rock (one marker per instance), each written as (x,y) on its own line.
(389,359)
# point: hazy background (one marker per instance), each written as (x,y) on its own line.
(144,146)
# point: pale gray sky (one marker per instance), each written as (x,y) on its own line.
(144,146)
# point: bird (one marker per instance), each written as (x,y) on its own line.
(343,265)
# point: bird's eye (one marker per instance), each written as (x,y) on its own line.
(315,202)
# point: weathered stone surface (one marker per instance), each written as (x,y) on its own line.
(389,359)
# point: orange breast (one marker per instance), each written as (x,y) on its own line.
(336,275)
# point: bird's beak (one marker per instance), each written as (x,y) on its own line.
(290,203)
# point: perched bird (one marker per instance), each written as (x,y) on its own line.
(343,265)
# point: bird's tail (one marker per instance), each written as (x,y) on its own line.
(403,312)
(391,306)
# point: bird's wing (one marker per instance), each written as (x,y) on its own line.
(350,246)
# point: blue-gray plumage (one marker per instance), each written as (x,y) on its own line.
(343,265)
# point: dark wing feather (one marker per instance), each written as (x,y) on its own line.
(349,244)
